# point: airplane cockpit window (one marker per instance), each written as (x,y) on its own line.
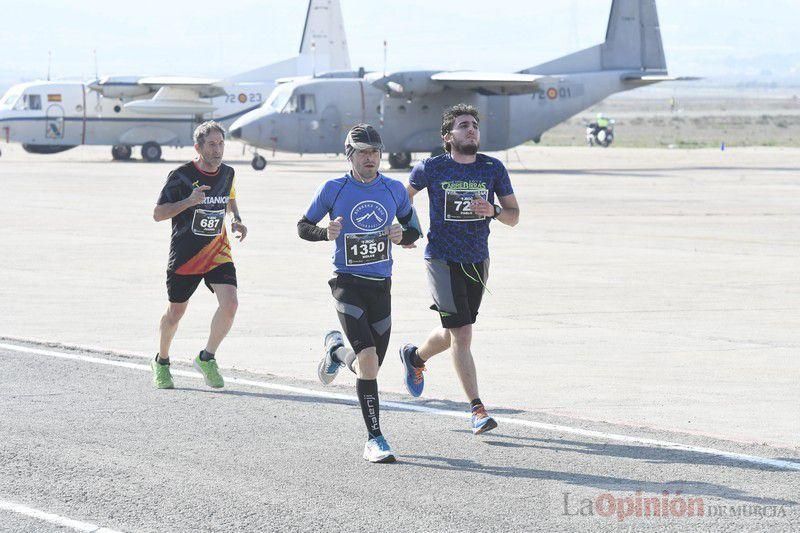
(291,105)
(301,103)
(306,103)
(31,102)
(9,99)
(280,96)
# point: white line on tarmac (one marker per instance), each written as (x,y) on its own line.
(776,463)
(54,518)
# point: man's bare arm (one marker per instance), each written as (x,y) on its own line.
(233,207)
(510,213)
(167,211)
(239,230)
(411,192)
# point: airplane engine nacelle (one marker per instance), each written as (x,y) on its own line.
(122,87)
(409,84)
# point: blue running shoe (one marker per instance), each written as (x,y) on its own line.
(414,380)
(329,365)
(377,450)
(481,421)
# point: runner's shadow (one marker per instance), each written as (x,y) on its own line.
(605,483)
(435,404)
(649,454)
(299,398)
(450,405)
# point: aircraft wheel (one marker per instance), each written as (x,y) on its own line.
(258,162)
(400,160)
(151,151)
(121,152)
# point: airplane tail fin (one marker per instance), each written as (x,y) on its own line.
(633,37)
(324,35)
(633,42)
(323,47)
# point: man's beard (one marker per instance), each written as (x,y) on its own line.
(466,149)
(363,172)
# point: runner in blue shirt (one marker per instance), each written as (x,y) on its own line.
(361,206)
(462,185)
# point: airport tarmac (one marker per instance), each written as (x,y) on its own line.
(87,440)
(642,287)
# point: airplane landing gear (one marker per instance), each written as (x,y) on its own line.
(151,151)
(258,162)
(400,160)
(121,152)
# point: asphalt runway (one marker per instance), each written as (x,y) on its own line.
(87,438)
(645,294)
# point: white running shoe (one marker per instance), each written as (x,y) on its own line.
(328,365)
(377,450)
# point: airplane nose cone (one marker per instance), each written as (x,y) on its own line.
(251,128)
(243,129)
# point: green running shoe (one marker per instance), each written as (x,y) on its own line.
(162,379)
(210,372)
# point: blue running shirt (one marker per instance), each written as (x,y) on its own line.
(456,234)
(367,209)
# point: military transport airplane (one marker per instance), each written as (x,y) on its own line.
(151,112)
(311,115)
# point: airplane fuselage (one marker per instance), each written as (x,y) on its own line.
(312,115)
(318,113)
(71,114)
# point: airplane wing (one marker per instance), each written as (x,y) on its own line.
(641,79)
(418,83)
(162,95)
(490,83)
(204,87)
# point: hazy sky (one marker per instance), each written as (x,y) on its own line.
(701,37)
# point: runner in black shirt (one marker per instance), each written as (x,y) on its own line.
(196,197)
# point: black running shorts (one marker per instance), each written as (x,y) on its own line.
(364,307)
(180,288)
(457,290)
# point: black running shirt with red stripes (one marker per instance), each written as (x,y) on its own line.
(199,239)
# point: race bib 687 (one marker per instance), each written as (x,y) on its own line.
(208,223)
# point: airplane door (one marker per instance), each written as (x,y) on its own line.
(308,122)
(330,126)
(54,124)
(65,115)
